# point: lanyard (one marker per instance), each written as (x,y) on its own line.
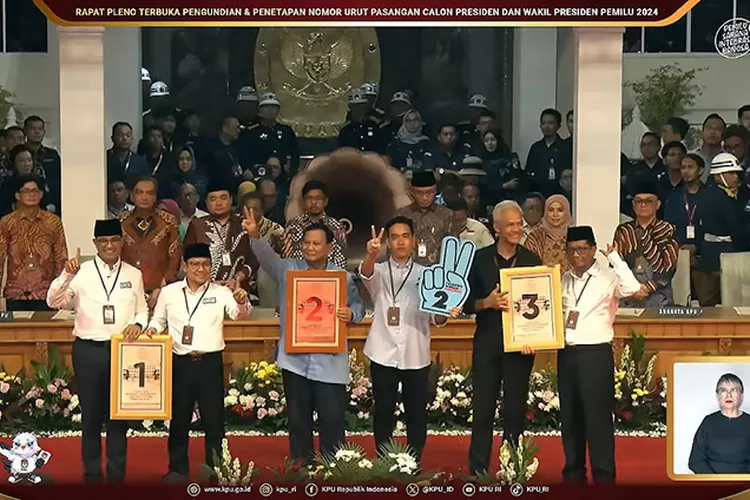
(158,164)
(127,162)
(512,264)
(117,277)
(187,307)
(690,213)
(578,299)
(395,292)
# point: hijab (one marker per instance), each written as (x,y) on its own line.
(170,206)
(559,232)
(407,137)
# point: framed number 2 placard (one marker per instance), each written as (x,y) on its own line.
(141,379)
(313,297)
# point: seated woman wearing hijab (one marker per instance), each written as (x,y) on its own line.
(548,239)
(722,442)
(408,147)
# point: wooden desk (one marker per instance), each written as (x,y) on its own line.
(718,331)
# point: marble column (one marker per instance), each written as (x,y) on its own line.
(534,83)
(597,102)
(82,133)
(122,78)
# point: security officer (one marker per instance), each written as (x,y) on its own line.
(370,91)
(247,106)
(158,98)
(362,132)
(267,137)
(108,299)
(192,312)
(477,104)
(145,86)
(400,104)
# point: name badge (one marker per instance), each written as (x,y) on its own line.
(572,321)
(394,316)
(209,300)
(226,260)
(422,250)
(552,173)
(126,284)
(690,232)
(108,314)
(187,335)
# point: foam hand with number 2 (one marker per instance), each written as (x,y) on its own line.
(445,285)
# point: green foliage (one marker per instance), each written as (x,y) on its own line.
(665,92)
(53,369)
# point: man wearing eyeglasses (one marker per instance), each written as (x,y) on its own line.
(32,241)
(193,312)
(591,292)
(649,247)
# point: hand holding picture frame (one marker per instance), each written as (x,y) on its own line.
(535,317)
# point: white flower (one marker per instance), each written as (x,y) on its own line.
(315,416)
(532,469)
(73,402)
(365,464)
(230,400)
(400,426)
(233,392)
(147,424)
(248,387)
(347,455)
(555,403)
(244,400)
(232,381)
(76,418)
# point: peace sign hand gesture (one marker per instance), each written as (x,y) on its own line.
(610,248)
(376,242)
(74,264)
(444,286)
(249,224)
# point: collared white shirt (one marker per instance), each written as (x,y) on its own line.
(88,296)
(477,233)
(185,220)
(207,320)
(406,346)
(597,305)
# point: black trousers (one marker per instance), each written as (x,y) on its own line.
(26,305)
(585,379)
(303,396)
(91,364)
(385,382)
(196,379)
(492,369)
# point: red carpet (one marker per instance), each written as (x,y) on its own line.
(639,460)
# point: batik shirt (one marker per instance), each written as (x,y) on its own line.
(295,229)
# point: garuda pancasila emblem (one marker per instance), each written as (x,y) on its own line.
(315,63)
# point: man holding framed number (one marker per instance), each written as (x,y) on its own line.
(312,381)
(491,365)
(398,343)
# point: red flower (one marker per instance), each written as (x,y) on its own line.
(237,409)
(626,416)
(530,415)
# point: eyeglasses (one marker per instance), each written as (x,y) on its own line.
(579,250)
(729,392)
(30,191)
(641,201)
(199,265)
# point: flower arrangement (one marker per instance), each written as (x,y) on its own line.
(638,394)
(517,464)
(543,401)
(227,471)
(11,390)
(453,399)
(395,463)
(255,396)
(48,396)
(361,402)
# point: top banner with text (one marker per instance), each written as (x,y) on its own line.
(369,12)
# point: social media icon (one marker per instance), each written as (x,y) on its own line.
(412,490)
(516,490)
(469,490)
(311,489)
(193,489)
(266,490)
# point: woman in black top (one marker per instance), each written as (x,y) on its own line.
(504,179)
(722,442)
(408,147)
(185,171)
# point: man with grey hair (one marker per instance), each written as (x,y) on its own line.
(491,365)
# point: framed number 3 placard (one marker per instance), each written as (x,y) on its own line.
(312,299)
(535,317)
(141,379)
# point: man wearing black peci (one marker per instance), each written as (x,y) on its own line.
(491,365)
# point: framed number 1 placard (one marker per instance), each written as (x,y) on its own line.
(312,299)
(141,379)
(535,317)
